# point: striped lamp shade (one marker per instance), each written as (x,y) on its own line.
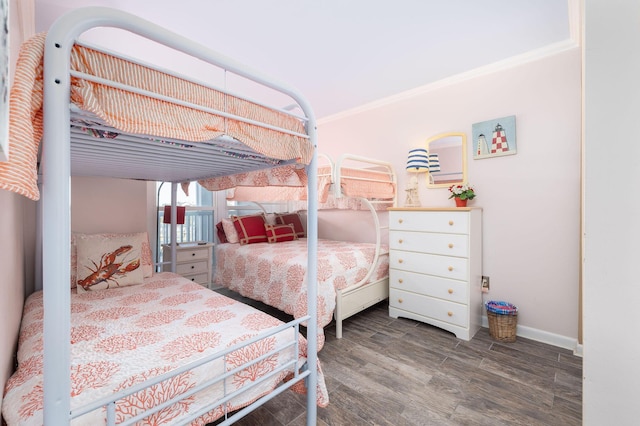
(418,160)
(434,163)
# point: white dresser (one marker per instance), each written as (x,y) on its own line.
(193,261)
(435,269)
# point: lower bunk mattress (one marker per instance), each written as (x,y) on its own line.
(122,336)
(275,274)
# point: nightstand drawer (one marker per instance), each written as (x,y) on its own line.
(446,244)
(442,221)
(441,310)
(192,254)
(429,285)
(192,267)
(443,266)
(200,278)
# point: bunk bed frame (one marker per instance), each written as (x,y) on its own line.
(358,297)
(358,170)
(58,153)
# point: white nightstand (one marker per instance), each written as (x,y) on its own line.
(193,261)
(435,267)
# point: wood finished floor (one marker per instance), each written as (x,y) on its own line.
(400,372)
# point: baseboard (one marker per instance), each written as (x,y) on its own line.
(544,337)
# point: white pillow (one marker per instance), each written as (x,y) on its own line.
(230,231)
(270,218)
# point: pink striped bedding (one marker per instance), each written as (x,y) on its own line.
(121,336)
(275,274)
(365,183)
(353,183)
(134,113)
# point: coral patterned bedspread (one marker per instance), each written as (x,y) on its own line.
(275,274)
(122,336)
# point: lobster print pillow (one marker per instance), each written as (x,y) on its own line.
(107,262)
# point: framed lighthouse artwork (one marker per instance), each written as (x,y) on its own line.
(494,138)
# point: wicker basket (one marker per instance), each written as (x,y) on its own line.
(502,327)
(503,321)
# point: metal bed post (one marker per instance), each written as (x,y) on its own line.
(312,270)
(56,230)
(174,227)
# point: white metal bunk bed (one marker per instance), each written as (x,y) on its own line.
(67,151)
(352,181)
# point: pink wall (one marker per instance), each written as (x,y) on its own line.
(531,200)
(12,282)
(108,205)
(17,233)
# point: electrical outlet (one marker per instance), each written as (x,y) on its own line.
(485,284)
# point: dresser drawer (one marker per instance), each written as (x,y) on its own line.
(429,285)
(192,267)
(441,221)
(427,242)
(443,266)
(192,254)
(441,310)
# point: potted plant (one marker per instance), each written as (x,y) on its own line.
(461,194)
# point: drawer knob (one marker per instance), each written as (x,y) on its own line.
(400,220)
(193,267)
(400,280)
(450,223)
(193,254)
(399,300)
(450,268)
(193,279)
(450,291)
(450,245)
(400,260)
(400,241)
(450,313)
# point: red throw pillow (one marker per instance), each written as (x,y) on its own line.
(291,219)
(222,237)
(280,233)
(250,229)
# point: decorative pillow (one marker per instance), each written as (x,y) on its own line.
(291,219)
(108,261)
(270,219)
(250,229)
(230,231)
(222,238)
(280,233)
(143,237)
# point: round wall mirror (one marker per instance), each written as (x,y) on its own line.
(447,160)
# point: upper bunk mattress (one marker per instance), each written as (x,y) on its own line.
(139,105)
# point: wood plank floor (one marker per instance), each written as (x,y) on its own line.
(387,371)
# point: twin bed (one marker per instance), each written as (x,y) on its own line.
(163,350)
(352,276)
(193,345)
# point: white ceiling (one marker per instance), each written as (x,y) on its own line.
(341,54)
